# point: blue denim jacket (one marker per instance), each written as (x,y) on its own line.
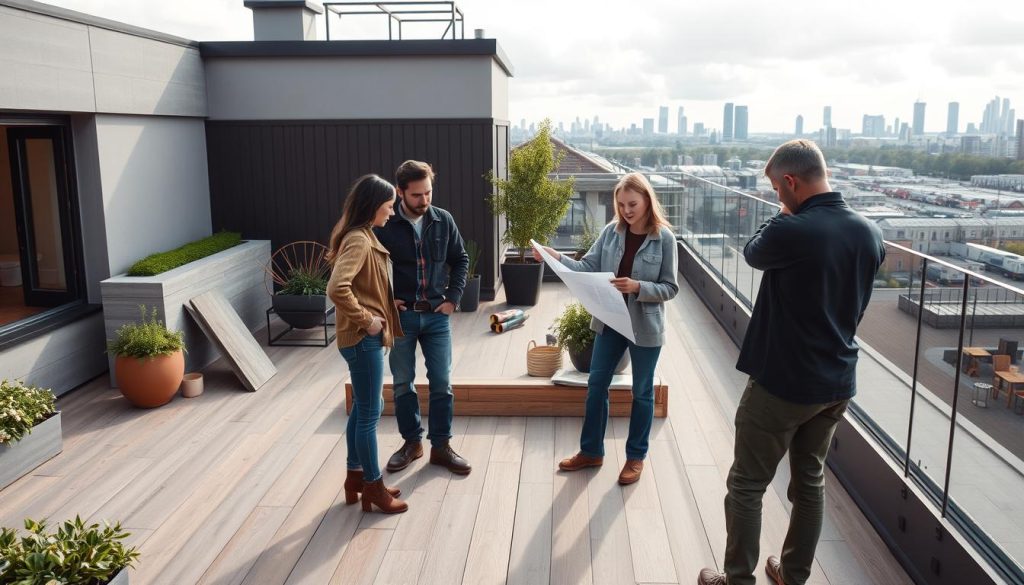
(655,266)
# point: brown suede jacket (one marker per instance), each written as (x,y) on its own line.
(360,287)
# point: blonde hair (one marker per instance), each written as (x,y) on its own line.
(638,183)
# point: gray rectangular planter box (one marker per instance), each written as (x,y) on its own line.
(121,578)
(237,273)
(42,444)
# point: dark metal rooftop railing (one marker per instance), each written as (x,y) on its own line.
(402,12)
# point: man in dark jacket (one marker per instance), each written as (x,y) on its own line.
(819,259)
(430,265)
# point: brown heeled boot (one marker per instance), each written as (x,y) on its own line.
(354,486)
(375,494)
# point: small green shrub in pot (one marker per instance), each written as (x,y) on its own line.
(305,281)
(75,554)
(149,361)
(21,408)
(572,329)
(147,338)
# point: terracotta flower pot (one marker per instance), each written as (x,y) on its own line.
(150,382)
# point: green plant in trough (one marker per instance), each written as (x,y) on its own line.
(21,408)
(75,554)
(163,261)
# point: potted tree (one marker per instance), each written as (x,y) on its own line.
(300,272)
(75,554)
(471,295)
(573,333)
(30,430)
(533,205)
(149,361)
(585,240)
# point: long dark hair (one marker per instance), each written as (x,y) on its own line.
(366,196)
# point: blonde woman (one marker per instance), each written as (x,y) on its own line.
(367,323)
(640,248)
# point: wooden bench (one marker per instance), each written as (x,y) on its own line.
(520,397)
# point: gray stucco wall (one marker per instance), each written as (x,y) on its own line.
(156,192)
(49,63)
(499,92)
(346,88)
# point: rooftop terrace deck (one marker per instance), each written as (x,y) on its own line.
(234,487)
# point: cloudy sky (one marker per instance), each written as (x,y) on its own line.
(621,60)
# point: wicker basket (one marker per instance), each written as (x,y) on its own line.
(543,360)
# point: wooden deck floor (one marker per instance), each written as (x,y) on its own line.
(234,487)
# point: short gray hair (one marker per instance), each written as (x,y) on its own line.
(800,158)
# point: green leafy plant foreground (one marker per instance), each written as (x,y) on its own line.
(532,203)
(75,554)
(145,339)
(305,281)
(21,408)
(572,328)
(163,261)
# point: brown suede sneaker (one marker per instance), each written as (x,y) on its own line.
(773,568)
(580,461)
(710,577)
(631,471)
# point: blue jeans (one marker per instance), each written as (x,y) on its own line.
(366,368)
(608,349)
(434,333)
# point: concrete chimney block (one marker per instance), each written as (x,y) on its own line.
(284,20)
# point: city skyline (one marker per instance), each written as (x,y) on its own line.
(575,62)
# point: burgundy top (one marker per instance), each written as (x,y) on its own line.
(633,243)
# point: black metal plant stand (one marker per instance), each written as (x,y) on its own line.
(326,323)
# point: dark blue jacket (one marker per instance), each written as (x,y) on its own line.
(819,267)
(447,261)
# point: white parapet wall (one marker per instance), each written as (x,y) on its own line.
(238,273)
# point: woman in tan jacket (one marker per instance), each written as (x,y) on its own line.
(367,323)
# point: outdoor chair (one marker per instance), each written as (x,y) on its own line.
(1008,347)
(1000,363)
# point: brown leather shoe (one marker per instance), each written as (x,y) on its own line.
(409,451)
(445,456)
(580,461)
(773,568)
(710,577)
(631,471)
(375,494)
(354,486)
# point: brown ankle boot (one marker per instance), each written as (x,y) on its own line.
(354,487)
(631,471)
(374,494)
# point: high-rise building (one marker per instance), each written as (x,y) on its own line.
(873,126)
(1020,139)
(683,126)
(799,126)
(953,119)
(970,144)
(896,127)
(827,117)
(698,128)
(727,122)
(742,123)
(831,139)
(648,126)
(663,120)
(905,132)
(919,118)
(680,122)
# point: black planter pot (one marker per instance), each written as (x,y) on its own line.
(471,295)
(581,360)
(300,311)
(522,282)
